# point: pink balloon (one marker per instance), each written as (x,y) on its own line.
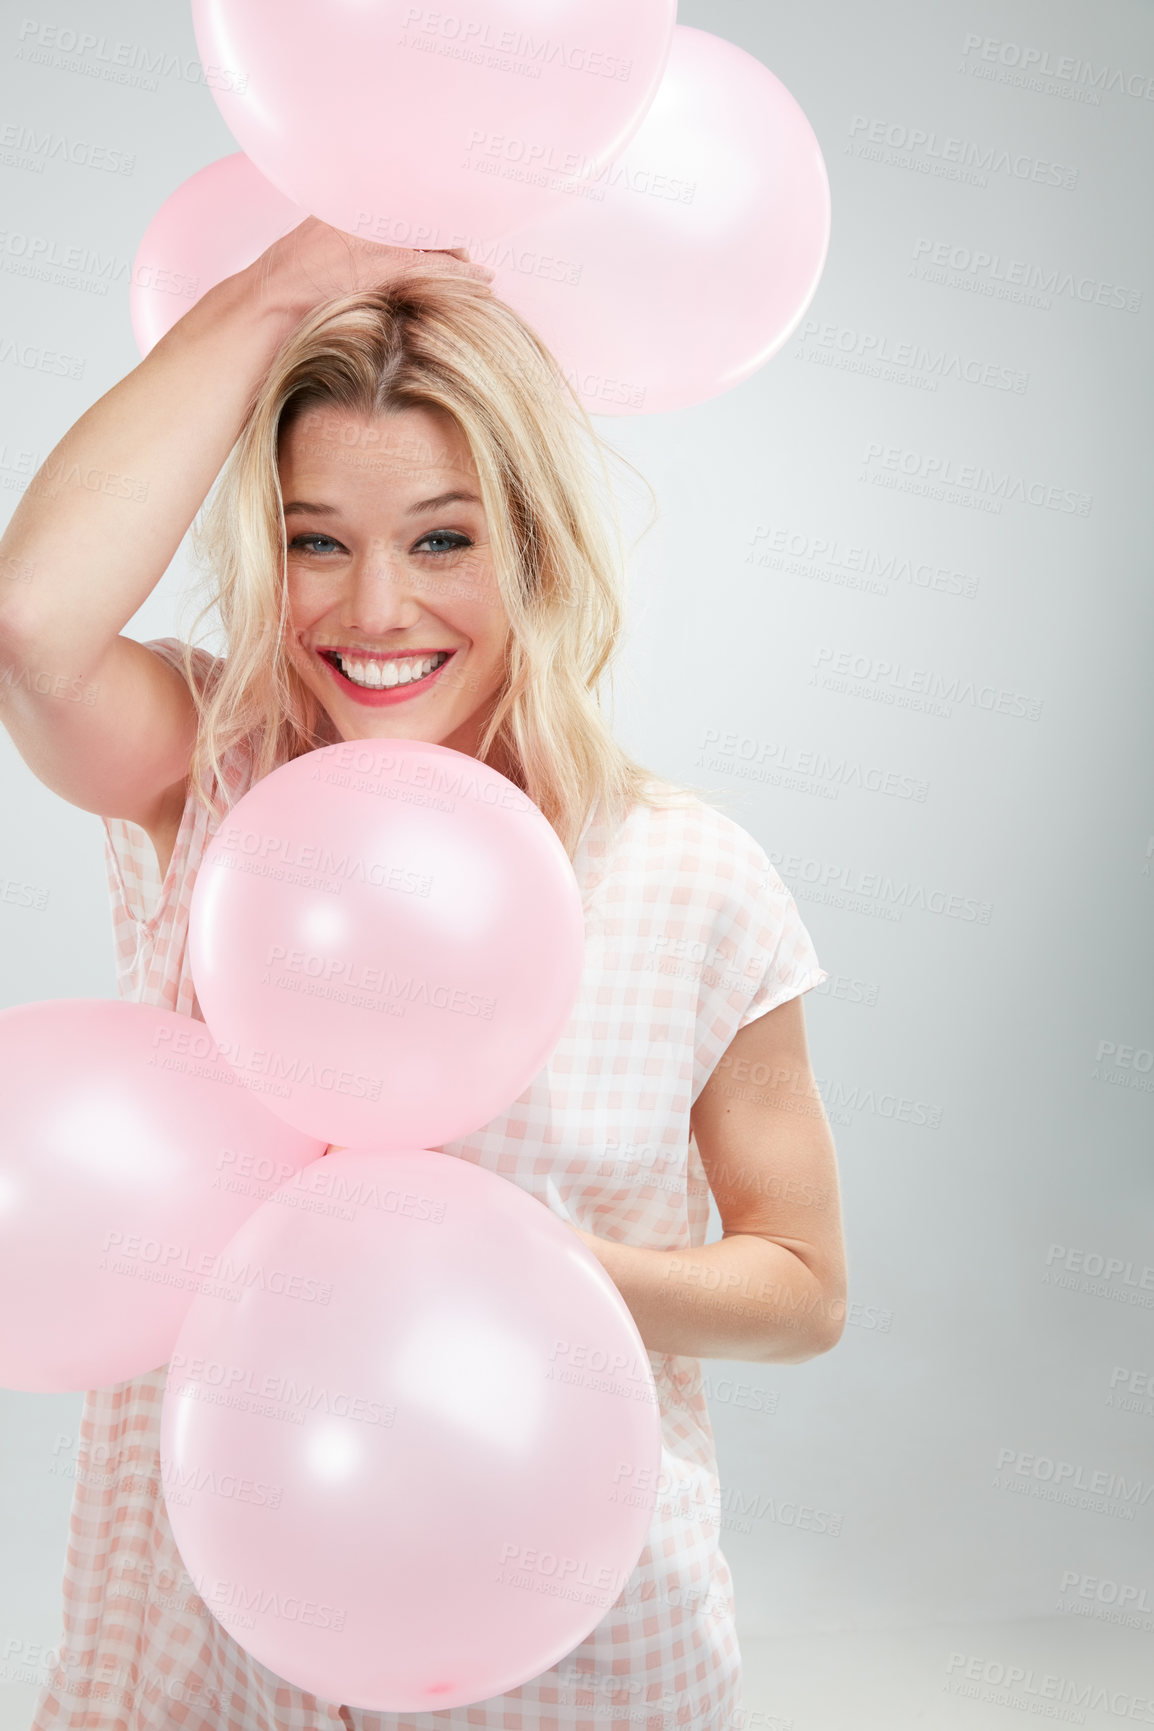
(216,223)
(689,262)
(129,1158)
(426,1478)
(427,127)
(392,934)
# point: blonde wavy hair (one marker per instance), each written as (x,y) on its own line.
(441,342)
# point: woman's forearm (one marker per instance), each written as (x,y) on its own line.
(101,519)
(742,1297)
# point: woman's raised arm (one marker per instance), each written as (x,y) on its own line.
(96,717)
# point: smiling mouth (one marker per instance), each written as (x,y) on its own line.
(380,673)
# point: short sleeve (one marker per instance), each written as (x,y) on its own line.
(756,953)
(783,962)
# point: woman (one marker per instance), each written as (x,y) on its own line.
(407,542)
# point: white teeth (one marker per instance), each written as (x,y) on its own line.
(381,675)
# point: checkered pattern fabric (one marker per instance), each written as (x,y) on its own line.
(690,934)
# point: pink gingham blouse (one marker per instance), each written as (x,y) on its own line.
(690,934)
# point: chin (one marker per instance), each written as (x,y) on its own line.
(375,725)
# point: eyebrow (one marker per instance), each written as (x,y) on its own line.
(305,507)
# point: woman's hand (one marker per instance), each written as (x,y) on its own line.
(315,262)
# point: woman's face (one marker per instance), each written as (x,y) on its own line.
(397,623)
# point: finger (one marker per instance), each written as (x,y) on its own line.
(480,272)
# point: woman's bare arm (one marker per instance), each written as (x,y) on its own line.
(96,717)
(773,1287)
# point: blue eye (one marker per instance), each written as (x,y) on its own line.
(458,541)
(299,540)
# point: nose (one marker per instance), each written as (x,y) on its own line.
(381,597)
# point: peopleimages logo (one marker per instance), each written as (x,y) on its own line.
(812,879)
(1009,278)
(478,41)
(788,766)
(85,267)
(888,681)
(1032,65)
(433,780)
(251,1061)
(853,564)
(82,51)
(129,1253)
(407,988)
(36,148)
(930,152)
(273,856)
(901,361)
(307,1397)
(942,477)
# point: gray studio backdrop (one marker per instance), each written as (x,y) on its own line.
(897,610)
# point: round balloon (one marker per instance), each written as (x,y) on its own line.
(131,1153)
(391,933)
(443,1437)
(429,128)
(691,259)
(215,223)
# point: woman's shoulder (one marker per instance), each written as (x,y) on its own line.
(679,821)
(678,847)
